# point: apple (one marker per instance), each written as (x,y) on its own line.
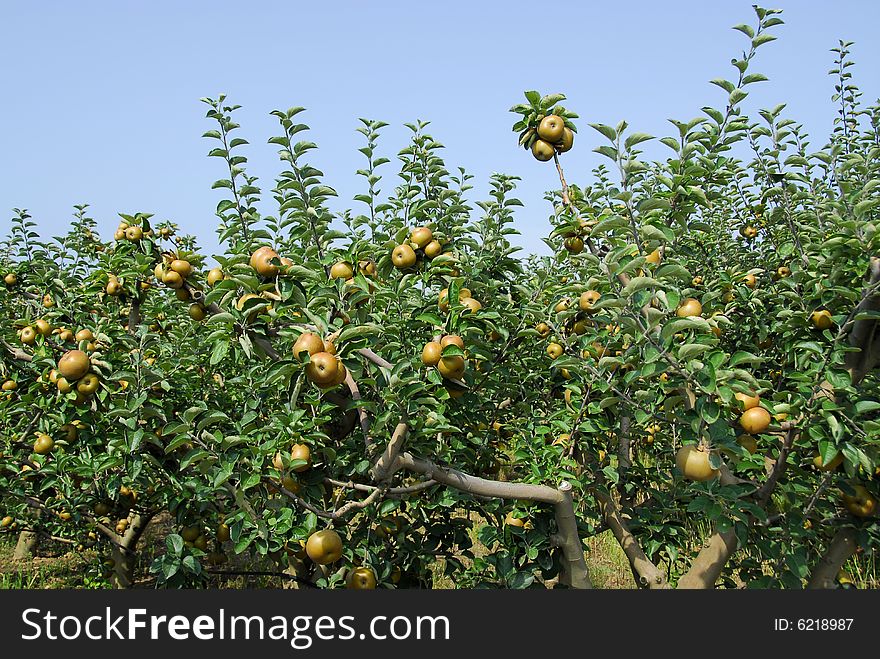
(689,307)
(301,452)
(261,262)
(361,578)
(341,270)
(421,236)
(822,319)
(403,257)
(308,342)
(324,547)
(551,128)
(833,464)
(693,462)
(587,300)
(74,364)
(542,150)
(860,504)
(747,401)
(755,420)
(323,368)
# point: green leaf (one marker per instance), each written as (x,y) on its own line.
(174,543)
(745,29)
(350,332)
(638,284)
(691,350)
(762,38)
(742,356)
(636,138)
(218,352)
(607,131)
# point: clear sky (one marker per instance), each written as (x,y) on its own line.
(101,99)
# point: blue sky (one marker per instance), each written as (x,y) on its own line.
(101,99)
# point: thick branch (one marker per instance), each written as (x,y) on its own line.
(373,357)
(842,547)
(387,462)
(863,333)
(17,353)
(574,568)
(647,574)
(479,486)
(707,566)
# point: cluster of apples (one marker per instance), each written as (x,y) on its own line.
(693,460)
(132,233)
(450,366)
(173,272)
(422,245)
(586,304)
(325,547)
(553,137)
(324,369)
(471,304)
(302,455)
(74,371)
(29,333)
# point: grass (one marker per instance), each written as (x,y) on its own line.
(58,570)
(606,562)
(863,570)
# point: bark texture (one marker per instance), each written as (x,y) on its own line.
(707,566)
(842,547)
(646,574)
(26,545)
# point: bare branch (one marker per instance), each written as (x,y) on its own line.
(387,462)
(706,567)
(373,357)
(17,353)
(391,491)
(839,551)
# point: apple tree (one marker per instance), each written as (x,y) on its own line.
(358,398)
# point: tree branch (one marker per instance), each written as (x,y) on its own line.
(574,572)
(842,547)
(863,332)
(386,464)
(707,566)
(17,353)
(646,573)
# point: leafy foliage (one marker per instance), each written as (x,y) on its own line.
(198,418)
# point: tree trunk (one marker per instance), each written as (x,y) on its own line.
(707,566)
(26,545)
(574,566)
(125,555)
(842,547)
